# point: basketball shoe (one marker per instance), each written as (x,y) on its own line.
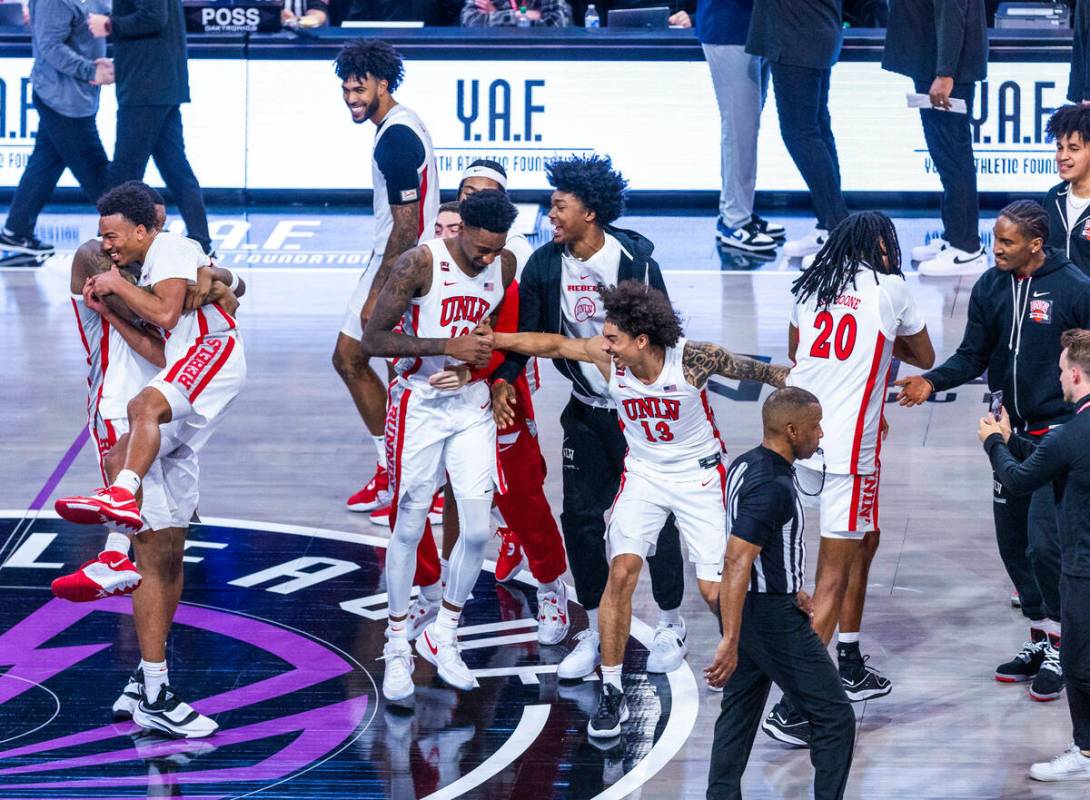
(612,712)
(111,504)
(109,575)
(397,679)
(1071,765)
(421,615)
(668,648)
(785,724)
(860,681)
(170,715)
(376,494)
(442,651)
(552,616)
(1048,683)
(1025,665)
(510,559)
(125,705)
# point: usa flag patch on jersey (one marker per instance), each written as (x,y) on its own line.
(488,286)
(671,388)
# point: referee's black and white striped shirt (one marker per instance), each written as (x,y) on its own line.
(763,508)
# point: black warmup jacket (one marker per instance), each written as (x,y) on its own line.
(149,49)
(539,296)
(1013,332)
(927,39)
(1068,236)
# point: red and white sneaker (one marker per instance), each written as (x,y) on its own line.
(374,495)
(509,561)
(109,575)
(112,504)
(435,516)
(381,515)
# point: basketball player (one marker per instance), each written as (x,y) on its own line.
(852,313)
(438,294)
(524,517)
(674,461)
(406,201)
(448,222)
(558,294)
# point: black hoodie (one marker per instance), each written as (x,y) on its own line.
(1068,236)
(539,295)
(1021,349)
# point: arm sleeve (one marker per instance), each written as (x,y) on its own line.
(1047,462)
(399,154)
(52,27)
(531,295)
(149,18)
(950,25)
(971,358)
(758,511)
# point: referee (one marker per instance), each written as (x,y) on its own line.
(767,635)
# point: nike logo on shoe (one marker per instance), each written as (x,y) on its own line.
(433,648)
(958,260)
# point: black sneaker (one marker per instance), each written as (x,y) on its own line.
(785,724)
(612,711)
(1049,682)
(746,237)
(1025,665)
(169,715)
(860,681)
(773,229)
(27,245)
(133,693)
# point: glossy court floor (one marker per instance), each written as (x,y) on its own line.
(281,628)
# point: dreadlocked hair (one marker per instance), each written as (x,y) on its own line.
(1030,217)
(863,239)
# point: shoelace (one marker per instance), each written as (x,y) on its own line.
(1029,649)
(399,654)
(1052,659)
(582,636)
(668,631)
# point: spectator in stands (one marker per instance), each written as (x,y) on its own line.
(430,12)
(448,222)
(305,13)
(69,67)
(506,13)
(681,13)
(149,46)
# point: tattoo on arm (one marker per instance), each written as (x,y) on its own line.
(411,274)
(402,239)
(701,360)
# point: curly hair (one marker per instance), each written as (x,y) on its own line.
(361,58)
(489,209)
(132,200)
(1030,217)
(637,308)
(593,180)
(1068,120)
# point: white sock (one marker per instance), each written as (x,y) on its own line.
(448,621)
(155,678)
(592,620)
(117,542)
(380,450)
(848,638)
(612,676)
(396,629)
(128,480)
(671,617)
(551,586)
(433,592)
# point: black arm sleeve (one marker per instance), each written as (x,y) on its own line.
(532,294)
(971,358)
(1047,462)
(400,155)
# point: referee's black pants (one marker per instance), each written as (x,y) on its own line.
(145,132)
(594,450)
(1075,654)
(777,644)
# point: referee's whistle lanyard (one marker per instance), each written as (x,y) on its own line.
(821,488)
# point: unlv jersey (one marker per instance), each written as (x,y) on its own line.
(426,192)
(668,424)
(844,356)
(454,305)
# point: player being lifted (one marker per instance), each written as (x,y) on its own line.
(427,317)
(853,313)
(674,464)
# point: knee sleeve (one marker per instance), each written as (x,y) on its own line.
(468,554)
(401,557)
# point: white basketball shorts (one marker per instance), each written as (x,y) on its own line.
(849,503)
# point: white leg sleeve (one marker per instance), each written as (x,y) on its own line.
(466,560)
(401,556)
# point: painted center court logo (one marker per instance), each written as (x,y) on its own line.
(278,640)
(585,309)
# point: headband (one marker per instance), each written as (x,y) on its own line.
(480,171)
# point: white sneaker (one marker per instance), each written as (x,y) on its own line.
(808,261)
(1071,765)
(125,705)
(807,245)
(397,679)
(668,648)
(442,651)
(170,715)
(926,252)
(421,615)
(950,261)
(553,622)
(583,659)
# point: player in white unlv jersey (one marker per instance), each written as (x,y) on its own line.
(405,183)
(853,312)
(674,463)
(433,313)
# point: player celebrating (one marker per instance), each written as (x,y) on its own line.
(406,203)
(674,461)
(439,293)
(852,314)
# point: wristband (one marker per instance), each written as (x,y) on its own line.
(235,281)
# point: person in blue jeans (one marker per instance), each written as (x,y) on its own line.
(800,40)
(69,67)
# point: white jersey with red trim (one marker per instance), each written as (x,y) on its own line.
(174,256)
(116,373)
(668,424)
(429,182)
(454,305)
(844,356)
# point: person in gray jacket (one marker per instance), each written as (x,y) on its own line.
(69,67)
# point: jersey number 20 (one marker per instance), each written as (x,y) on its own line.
(843,341)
